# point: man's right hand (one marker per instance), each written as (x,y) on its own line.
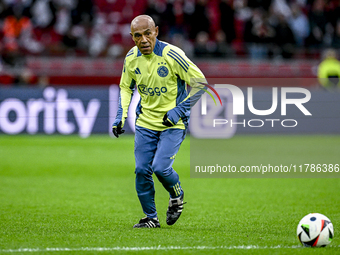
(117,130)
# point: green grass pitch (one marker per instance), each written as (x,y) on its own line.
(65,194)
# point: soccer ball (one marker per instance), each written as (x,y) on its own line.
(315,230)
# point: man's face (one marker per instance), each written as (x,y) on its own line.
(144,34)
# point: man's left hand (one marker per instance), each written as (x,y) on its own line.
(118,130)
(172,117)
(166,121)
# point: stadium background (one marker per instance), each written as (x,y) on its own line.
(60,66)
(83,43)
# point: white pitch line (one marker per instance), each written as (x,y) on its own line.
(242,247)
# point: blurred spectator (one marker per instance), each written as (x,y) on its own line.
(43,13)
(172,16)
(155,9)
(63,19)
(5,10)
(43,81)
(284,38)
(258,34)
(14,27)
(24,78)
(70,40)
(223,48)
(199,19)
(18,36)
(336,36)
(264,4)
(333,11)
(101,27)
(227,20)
(180,41)
(329,70)
(83,13)
(204,48)
(74,23)
(317,21)
(280,7)
(168,20)
(98,40)
(299,24)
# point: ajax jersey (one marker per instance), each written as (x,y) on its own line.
(160,79)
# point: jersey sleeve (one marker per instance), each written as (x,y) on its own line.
(127,87)
(183,66)
(186,70)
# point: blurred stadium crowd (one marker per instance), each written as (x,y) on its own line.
(255,29)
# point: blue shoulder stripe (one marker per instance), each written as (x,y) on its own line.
(180,57)
(159,47)
(129,54)
(185,68)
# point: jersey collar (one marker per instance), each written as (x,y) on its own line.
(158,50)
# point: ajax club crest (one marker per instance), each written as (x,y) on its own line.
(162,71)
